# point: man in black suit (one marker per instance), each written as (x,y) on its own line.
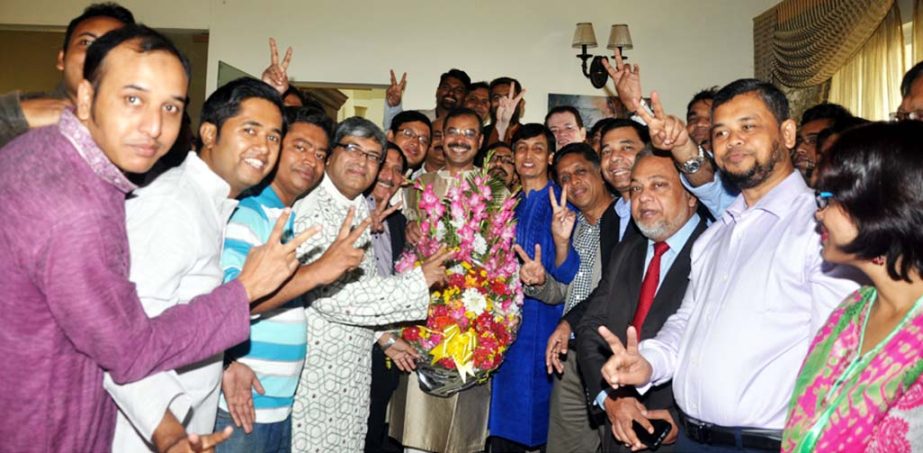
(388,244)
(643,285)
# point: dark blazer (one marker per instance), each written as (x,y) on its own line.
(397,223)
(613,305)
(609,226)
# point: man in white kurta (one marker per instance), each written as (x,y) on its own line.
(332,402)
(175,231)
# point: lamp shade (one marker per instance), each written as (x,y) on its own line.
(619,37)
(584,35)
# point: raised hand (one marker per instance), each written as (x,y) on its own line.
(382,211)
(668,132)
(271,264)
(532,272)
(434,266)
(236,384)
(621,413)
(395,91)
(507,108)
(627,81)
(626,366)
(562,218)
(557,346)
(276,74)
(402,354)
(342,255)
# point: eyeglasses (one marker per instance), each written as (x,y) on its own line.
(822,199)
(420,138)
(903,116)
(467,133)
(356,151)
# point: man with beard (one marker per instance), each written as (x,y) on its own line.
(814,121)
(331,406)
(565,123)
(643,285)
(450,94)
(262,414)
(478,99)
(521,389)
(502,164)
(419,420)
(411,132)
(20,112)
(758,289)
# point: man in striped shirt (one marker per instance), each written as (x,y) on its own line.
(259,382)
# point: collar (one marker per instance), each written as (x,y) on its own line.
(199,172)
(778,201)
(623,208)
(327,185)
(678,240)
(79,136)
(550,185)
(269,198)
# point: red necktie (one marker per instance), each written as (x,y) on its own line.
(649,286)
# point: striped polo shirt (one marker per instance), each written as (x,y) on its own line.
(278,338)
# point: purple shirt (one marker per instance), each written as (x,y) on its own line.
(69,310)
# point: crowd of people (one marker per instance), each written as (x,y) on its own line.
(732,280)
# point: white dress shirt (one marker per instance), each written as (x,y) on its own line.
(175,232)
(758,292)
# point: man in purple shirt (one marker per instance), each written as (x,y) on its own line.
(69,310)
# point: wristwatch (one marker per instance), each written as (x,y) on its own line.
(693,165)
(388,343)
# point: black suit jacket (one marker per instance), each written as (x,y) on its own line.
(613,305)
(397,223)
(609,226)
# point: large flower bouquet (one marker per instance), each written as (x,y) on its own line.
(474,316)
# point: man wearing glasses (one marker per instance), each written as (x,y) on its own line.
(331,404)
(411,131)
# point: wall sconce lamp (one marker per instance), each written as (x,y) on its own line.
(585,38)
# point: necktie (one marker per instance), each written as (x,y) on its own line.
(649,286)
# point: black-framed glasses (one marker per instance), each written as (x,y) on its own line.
(822,199)
(420,138)
(357,151)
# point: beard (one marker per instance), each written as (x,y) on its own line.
(760,171)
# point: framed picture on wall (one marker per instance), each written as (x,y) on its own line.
(591,108)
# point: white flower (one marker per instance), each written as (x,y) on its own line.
(440,231)
(457,222)
(474,301)
(457,269)
(480,245)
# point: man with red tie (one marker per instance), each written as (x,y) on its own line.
(643,285)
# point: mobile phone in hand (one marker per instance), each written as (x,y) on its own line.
(652,440)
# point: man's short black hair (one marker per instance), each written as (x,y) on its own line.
(225,102)
(458,74)
(565,109)
(294,91)
(579,148)
(410,116)
(462,111)
(707,94)
(837,128)
(393,146)
(599,125)
(875,173)
(479,86)
(530,130)
(149,40)
(311,115)
(618,123)
(772,97)
(910,77)
(825,111)
(108,9)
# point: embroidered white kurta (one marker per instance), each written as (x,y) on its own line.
(332,402)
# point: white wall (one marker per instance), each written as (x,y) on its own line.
(682,45)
